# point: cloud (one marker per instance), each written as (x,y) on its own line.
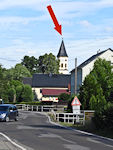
(83,49)
(20,20)
(85,23)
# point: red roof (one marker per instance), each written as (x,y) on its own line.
(53,92)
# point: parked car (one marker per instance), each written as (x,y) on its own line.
(8,112)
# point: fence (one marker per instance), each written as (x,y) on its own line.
(40,108)
(60,117)
(70,118)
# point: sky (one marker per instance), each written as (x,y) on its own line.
(26,28)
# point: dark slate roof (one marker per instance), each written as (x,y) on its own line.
(91,59)
(62,51)
(27,80)
(53,80)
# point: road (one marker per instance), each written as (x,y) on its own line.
(34,132)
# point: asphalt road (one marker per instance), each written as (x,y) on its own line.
(34,132)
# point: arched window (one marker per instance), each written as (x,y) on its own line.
(61,65)
(65,65)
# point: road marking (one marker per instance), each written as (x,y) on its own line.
(15,144)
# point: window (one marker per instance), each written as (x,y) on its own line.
(65,65)
(61,65)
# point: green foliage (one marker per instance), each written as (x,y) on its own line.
(93,102)
(97,85)
(27,94)
(17,73)
(64,97)
(12,90)
(44,64)
(11,94)
(48,64)
(104,119)
(20,72)
(19,90)
(31,63)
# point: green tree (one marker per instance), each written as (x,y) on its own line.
(27,94)
(93,102)
(12,95)
(98,83)
(19,72)
(31,63)
(48,64)
(19,90)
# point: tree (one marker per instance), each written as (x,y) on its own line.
(48,64)
(19,72)
(12,95)
(31,63)
(99,84)
(19,90)
(27,94)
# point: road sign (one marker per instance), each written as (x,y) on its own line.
(75,102)
(76,105)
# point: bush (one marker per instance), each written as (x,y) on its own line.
(104,119)
(64,97)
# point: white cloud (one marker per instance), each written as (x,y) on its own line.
(20,20)
(85,23)
(108,29)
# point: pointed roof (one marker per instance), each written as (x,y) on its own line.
(62,51)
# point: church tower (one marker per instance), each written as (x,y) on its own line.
(63,58)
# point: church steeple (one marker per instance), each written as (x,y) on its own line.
(63,58)
(62,51)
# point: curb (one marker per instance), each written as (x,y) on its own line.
(83,132)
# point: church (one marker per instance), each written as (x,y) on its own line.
(47,87)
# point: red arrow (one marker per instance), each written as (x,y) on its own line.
(57,27)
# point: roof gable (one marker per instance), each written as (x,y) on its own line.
(91,59)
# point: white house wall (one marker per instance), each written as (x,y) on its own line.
(108,55)
(39,94)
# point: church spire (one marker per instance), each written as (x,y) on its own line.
(62,51)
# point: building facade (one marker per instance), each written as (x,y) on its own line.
(47,87)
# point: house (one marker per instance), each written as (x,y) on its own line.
(85,68)
(48,87)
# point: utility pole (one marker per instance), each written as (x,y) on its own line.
(75,75)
